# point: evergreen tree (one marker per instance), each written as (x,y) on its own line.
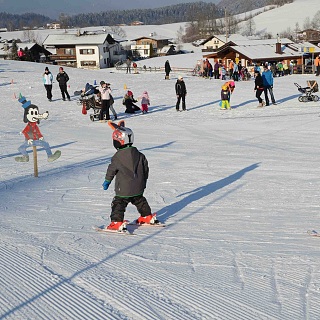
(14,51)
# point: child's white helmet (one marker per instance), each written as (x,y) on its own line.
(121,136)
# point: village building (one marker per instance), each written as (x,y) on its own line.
(168,50)
(37,53)
(149,46)
(271,51)
(54,25)
(136,23)
(213,43)
(85,50)
(310,35)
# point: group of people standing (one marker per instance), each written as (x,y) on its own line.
(264,83)
(62,78)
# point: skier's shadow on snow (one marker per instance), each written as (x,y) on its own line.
(201,192)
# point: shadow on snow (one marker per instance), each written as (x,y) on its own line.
(165,213)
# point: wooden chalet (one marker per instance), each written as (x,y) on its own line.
(149,46)
(250,52)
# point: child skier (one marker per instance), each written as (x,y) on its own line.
(145,102)
(130,167)
(225,104)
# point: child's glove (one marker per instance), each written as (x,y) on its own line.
(106,184)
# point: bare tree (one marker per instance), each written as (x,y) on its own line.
(316,21)
(180,33)
(118,31)
(31,36)
(307,23)
(249,28)
(63,20)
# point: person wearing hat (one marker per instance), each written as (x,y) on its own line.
(181,92)
(105,93)
(47,81)
(62,79)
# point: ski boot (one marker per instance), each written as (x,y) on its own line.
(150,219)
(120,226)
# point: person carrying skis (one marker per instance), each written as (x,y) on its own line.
(130,169)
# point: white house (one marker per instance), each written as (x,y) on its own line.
(85,50)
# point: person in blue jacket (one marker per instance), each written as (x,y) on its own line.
(267,79)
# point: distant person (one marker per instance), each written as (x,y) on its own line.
(225,104)
(268,85)
(128,63)
(47,81)
(317,65)
(21,54)
(167,69)
(216,68)
(63,78)
(258,87)
(129,102)
(135,67)
(145,102)
(105,92)
(181,92)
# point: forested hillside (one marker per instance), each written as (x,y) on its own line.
(18,21)
(240,6)
(170,14)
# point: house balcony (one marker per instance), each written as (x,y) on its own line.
(63,57)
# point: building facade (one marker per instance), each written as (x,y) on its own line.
(87,50)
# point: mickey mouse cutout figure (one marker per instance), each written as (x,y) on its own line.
(32,132)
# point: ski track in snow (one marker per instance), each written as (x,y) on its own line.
(233,188)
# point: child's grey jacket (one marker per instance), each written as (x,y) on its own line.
(130,167)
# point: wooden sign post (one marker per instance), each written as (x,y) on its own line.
(35,161)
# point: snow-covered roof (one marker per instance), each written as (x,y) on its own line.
(24,45)
(305,44)
(222,37)
(265,51)
(250,42)
(67,39)
(165,49)
(152,37)
(231,37)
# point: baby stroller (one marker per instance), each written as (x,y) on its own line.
(308,92)
(90,99)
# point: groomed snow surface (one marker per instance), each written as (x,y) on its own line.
(237,189)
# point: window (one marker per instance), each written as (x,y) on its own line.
(69,52)
(86,51)
(88,63)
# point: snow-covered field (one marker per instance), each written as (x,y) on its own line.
(280,19)
(237,189)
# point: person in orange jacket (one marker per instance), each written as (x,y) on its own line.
(317,65)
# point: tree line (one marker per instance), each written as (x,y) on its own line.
(169,14)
